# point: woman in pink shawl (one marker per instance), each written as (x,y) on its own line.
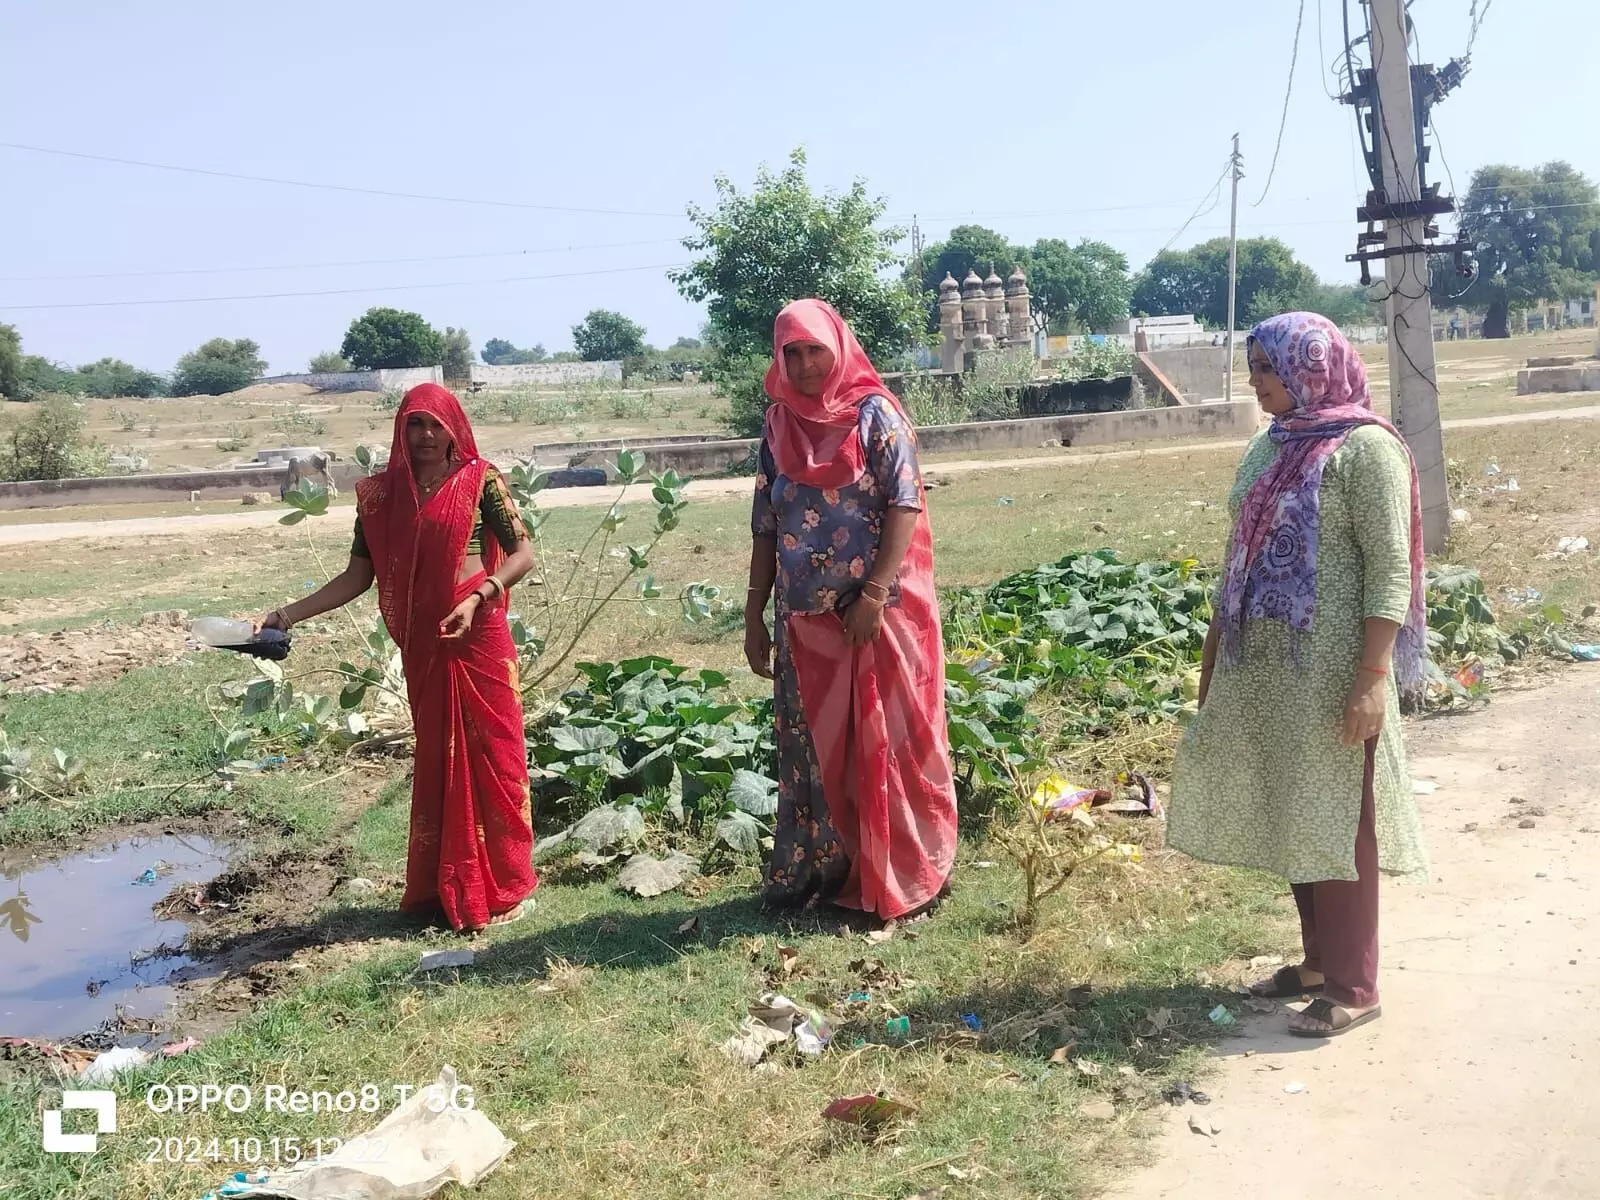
(866,797)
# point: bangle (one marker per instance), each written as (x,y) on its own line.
(499,589)
(283,619)
(873,583)
(1379,671)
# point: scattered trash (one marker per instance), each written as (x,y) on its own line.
(972,1022)
(1260,1004)
(176,1048)
(1135,795)
(1155,1023)
(1086,1067)
(1492,469)
(1525,595)
(1423,787)
(1058,797)
(1295,1089)
(775,1019)
(869,1112)
(436,960)
(1586,652)
(360,886)
(1221,1016)
(1568,547)
(1182,1093)
(110,1064)
(1262,961)
(898,1027)
(984,865)
(1206,1126)
(1470,673)
(1063,1054)
(427,1143)
(146,878)
(1460,516)
(1099,1110)
(1004,502)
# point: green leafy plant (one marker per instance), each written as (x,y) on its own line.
(1095,360)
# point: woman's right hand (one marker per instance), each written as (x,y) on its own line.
(758,647)
(273,620)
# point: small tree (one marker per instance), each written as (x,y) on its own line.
(48,445)
(110,378)
(604,336)
(1084,286)
(457,357)
(388,337)
(218,367)
(782,242)
(329,362)
(498,352)
(10,362)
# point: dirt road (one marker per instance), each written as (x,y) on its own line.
(183,526)
(1475,1083)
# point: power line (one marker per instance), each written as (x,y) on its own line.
(352,262)
(333,187)
(1288,93)
(1477,24)
(350,291)
(1216,190)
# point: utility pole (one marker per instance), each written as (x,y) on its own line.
(1413,377)
(1233,266)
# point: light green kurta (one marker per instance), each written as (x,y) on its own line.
(1262,778)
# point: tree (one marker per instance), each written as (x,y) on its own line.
(498,352)
(457,357)
(1196,281)
(782,242)
(687,343)
(10,362)
(48,445)
(968,248)
(217,367)
(1082,287)
(1538,238)
(604,336)
(329,362)
(388,337)
(111,378)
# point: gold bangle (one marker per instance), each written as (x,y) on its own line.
(499,588)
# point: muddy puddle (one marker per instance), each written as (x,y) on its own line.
(79,939)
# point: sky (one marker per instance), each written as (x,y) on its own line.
(1057,118)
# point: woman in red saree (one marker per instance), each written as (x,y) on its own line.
(441,534)
(866,796)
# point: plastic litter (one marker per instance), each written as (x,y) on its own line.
(1295,1089)
(145,878)
(972,1022)
(110,1064)
(428,1142)
(438,959)
(224,633)
(1586,652)
(898,1027)
(1221,1016)
(773,1020)
(1182,1093)
(872,1111)
(1058,796)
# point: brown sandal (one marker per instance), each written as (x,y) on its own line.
(1285,984)
(1338,1019)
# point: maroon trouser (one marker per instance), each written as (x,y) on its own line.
(1339,918)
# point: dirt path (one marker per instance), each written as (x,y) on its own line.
(1475,1083)
(182,526)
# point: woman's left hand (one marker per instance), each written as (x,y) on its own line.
(863,620)
(459,622)
(1364,710)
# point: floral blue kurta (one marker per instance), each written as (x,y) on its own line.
(827,542)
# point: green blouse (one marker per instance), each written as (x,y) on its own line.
(1262,778)
(497,512)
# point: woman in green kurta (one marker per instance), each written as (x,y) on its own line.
(1295,763)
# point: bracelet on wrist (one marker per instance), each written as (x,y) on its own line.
(1381,672)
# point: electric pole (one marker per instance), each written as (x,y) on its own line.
(1233,266)
(1404,210)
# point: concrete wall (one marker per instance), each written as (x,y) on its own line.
(1196,371)
(388,379)
(1584,377)
(518,374)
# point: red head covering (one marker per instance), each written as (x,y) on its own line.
(816,440)
(417,545)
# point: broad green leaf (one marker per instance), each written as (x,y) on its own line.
(754,794)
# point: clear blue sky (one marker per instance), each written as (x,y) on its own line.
(1029,121)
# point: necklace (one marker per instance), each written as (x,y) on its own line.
(427,488)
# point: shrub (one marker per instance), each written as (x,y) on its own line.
(329,362)
(210,377)
(50,445)
(111,378)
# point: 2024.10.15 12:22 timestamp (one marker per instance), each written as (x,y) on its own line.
(257,1151)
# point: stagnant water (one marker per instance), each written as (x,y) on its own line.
(78,937)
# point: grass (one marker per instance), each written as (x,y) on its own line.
(588,1034)
(589,1029)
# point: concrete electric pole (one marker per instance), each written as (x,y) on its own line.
(1233,266)
(1413,377)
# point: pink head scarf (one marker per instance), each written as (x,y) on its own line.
(816,440)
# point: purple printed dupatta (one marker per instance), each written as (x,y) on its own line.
(1271,569)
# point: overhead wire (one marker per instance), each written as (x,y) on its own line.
(1216,190)
(1288,94)
(333,187)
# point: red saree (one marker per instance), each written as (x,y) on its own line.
(471,841)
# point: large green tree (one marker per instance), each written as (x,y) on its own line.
(1078,287)
(111,377)
(780,242)
(1537,234)
(1196,281)
(605,336)
(389,337)
(217,367)
(456,358)
(968,248)
(10,362)
(498,352)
